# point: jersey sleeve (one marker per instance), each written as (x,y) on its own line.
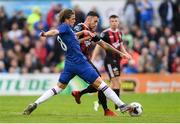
(77,28)
(103,36)
(63,28)
(122,37)
(96,38)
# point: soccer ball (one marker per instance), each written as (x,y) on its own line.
(136,109)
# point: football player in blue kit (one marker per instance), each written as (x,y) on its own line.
(75,64)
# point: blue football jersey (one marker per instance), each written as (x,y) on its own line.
(70,44)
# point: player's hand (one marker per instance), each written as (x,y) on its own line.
(86,32)
(42,34)
(128,56)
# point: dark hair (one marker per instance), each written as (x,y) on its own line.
(92,13)
(113,16)
(65,14)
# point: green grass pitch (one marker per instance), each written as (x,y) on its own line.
(62,108)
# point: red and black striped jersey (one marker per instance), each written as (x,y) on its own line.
(85,45)
(114,38)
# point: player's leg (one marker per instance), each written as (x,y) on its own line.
(51,92)
(47,95)
(116,87)
(103,101)
(77,94)
(90,89)
(113,69)
(64,79)
(89,74)
(110,94)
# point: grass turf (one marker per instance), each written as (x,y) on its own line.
(62,108)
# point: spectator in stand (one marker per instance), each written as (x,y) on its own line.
(24,70)
(28,65)
(145,9)
(40,52)
(158,60)
(80,15)
(33,17)
(3,21)
(131,68)
(55,9)
(39,26)
(149,66)
(6,42)
(139,35)
(176,65)
(45,69)
(9,56)
(130,11)
(145,42)
(2,67)
(152,48)
(153,34)
(15,33)
(21,19)
(177,16)
(26,45)
(143,60)
(14,66)
(163,46)
(127,37)
(137,45)
(12,19)
(172,52)
(2,55)
(166,12)
(164,67)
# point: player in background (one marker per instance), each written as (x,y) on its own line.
(113,37)
(90,24)
(75,64)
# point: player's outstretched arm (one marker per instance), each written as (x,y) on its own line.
(108,47)
(85,32)
(49,33)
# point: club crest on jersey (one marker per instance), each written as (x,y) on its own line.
(111,36)
(116,44)
(87,43)
(77,28)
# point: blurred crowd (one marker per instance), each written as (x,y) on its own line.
(154,49)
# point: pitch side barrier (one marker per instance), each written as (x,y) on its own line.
(36,84)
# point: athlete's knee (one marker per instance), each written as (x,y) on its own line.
(61,85)
(115,83)
(97,82)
